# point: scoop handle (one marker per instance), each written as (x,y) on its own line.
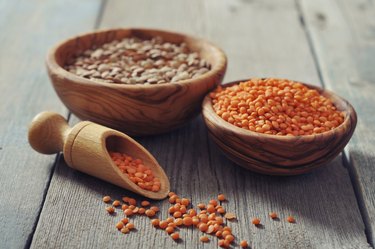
(48,132)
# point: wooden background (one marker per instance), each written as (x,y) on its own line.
(45,204)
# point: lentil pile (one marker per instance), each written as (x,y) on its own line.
(136,171)
(137,61)
(209,218)
(276,107)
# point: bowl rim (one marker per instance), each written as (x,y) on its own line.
(207,107)
(56,69)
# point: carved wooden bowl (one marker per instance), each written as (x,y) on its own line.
(134,109)
(280,155)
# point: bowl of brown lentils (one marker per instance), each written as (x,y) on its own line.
(139,81)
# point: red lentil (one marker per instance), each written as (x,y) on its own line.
(119,225)
(175,236)
(129,226)
(277,107)
(110,209)
(116,203)
(155,222)
(150,212)
(221,197)
(256,221)
(106,199)
(169,229)
(244,244)
(204,238)
(125,220)
(291,219)
(273,215)
(136,171)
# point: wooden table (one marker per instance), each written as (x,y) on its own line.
(45,204)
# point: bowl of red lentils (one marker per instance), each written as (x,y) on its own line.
(139,81)
(278,126)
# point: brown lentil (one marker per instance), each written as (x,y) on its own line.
(276,107)
(138,61)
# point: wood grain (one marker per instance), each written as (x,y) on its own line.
(135,109)
(322,202)
(280,155)
(345,29)
(28,29)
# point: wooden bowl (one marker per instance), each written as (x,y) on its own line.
(134,109)
(280,155)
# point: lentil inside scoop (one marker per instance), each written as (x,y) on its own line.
(276,107)
(137,61)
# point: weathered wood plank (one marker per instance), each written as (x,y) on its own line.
(322,202)
(343,35)
(28,28)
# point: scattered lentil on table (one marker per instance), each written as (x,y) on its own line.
(210,223)
(138,61)
(276,107)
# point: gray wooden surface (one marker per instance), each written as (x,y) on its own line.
(28,28)
(343,36)
(304,40)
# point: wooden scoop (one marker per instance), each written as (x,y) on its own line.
(86,148)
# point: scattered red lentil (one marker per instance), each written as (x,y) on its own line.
(244,244)
(154,208)
(106,199)
(129,226)
(204,238)
(128,212)
(201,206)
(178,222)
(277,107)
(116,203)
(256,221)
(119,225)
(273,215)
(125,220)
(163,224)
(110,209)
(142,210)
(136,171)
(145,203)
(175,236)
(124,230)
(169,229)
(155,222)
(291,219)
(150,213)
(221,197)
(230,216)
